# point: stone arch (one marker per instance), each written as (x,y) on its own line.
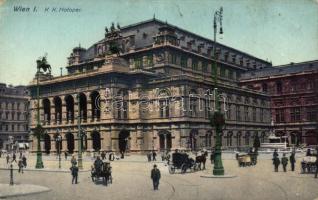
(70,142)
(47,110)
(83,106)
(208,139)
(95,104)
(96,140)
(47,143)
(58,109)
(165,140)
(123,140)
(69,100)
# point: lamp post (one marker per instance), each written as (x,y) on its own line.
(38,130)
(58,141)
(217,120)
(80,160)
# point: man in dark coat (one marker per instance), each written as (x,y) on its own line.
(276,163)
(14,157)
(8,158)
(155,176)
(292,161)
(275,154)
(65,155)
(154,154)
(24,161)
(284,162)
(74,171)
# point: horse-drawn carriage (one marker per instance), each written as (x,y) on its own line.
(246,159)
(183,162)
(101,170)
(308,164)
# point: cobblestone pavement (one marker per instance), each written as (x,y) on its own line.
(131,180)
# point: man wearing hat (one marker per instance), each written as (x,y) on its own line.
(74,171)
(155,176)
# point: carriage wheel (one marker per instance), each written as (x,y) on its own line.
(172,169)
(183,168)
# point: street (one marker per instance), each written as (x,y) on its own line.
(131,180)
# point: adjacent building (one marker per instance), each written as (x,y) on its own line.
(14,120)
(294,98)
(150,86)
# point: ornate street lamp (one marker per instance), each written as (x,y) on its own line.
(217,119)
(38,130)
(58,140)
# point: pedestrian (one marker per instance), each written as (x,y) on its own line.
(149,156)
(20,156)
(316,173)
(103,155)
(8,158)
(65,155)
(212,157)
(154,154)
(275,154)
(155,176)
(276,163)
(20,165)
(111,156)
(24,161)
(14,157)
(0,153)
(74,172)
(73,160)
(308,153)
(284,162)
(292,161)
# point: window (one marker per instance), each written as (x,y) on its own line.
(280,117)
(231,74)
(264,87)
(138,63)
(184,62)
(207,107)
(238,113)
(164,108)
(279,88)
(311,115)
(295,114)
(261,114)
(150,60)
(7,127)
(172,58)
(12,115)
(246,113)
(194,64)
(254,114)
(247,138)
(204,66)
(12,127)
(222,72)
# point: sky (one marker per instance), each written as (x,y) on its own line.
(280,31)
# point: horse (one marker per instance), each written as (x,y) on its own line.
(43,64)
(201,160)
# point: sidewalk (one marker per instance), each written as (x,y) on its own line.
(7,190)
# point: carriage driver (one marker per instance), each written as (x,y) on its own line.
(98,164)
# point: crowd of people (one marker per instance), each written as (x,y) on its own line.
(292,160)
(21,161)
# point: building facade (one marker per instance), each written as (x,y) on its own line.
(294,99)
(150,86)
(14,119)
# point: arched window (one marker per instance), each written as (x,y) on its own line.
(83,106)
(58,109)
(264,87)
(47,110)
(122,101)
(69,100)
